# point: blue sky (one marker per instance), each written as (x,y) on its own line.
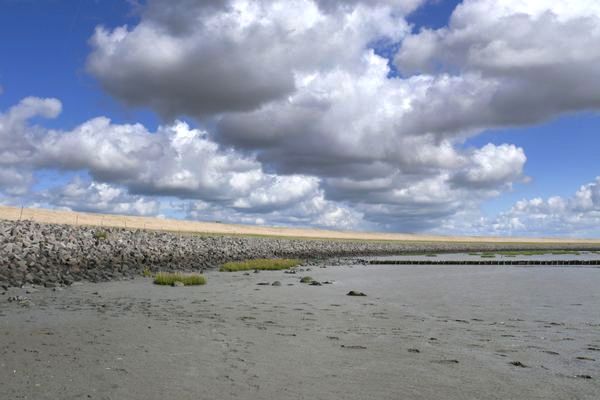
(46,45)
(561,156)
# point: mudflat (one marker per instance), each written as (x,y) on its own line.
(423,332)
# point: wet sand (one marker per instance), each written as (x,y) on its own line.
(449,332)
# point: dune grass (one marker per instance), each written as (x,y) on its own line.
(263,264)
(169,278)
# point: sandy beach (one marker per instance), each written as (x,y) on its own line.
(451,332)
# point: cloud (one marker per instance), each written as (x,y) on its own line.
(98,197)
(17,141)
(294,89)
(524,62)
(176,160)
(132,170)
(14,181)
(492,166)
(135,171)
(360,132)
(577,215)
(314,210)
(201,58)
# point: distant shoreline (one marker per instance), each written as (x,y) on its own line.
(54,254)
(184,226)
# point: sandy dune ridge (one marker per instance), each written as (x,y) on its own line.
(173,225)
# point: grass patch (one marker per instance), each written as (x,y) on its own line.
(488,255)
(169,278)
(264,264)
(430,255)
(147,273)
(306,279)
(101,235)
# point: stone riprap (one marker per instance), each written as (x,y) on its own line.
(52,255)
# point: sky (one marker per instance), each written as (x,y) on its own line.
(477,117)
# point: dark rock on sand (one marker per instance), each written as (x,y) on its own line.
(353,347)
(518,364)
(355,293)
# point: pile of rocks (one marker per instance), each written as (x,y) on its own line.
(50,255)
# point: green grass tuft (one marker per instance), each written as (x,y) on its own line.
(147,273)
(261,264)
(101,235)
(306,279)
(169,278)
